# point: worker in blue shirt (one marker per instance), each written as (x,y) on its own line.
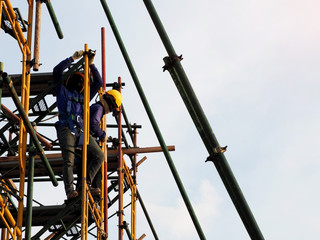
(110,101)
(69,127)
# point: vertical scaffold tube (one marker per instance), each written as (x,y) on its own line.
(84,202)
(134,190)
(120,172)
(25,92)
(30,190)
(153,121)
(37,31)
(104,146)
(205,131)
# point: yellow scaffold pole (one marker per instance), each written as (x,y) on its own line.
(84,202)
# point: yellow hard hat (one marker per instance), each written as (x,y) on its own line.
(116,95)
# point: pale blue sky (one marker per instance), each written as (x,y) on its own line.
(254,66)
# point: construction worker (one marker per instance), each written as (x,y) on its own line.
(110,102)
(69,127)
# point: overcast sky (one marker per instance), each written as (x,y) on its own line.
(254,66)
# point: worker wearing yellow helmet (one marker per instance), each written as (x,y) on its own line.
(111,101)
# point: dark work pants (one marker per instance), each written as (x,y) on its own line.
(68,144)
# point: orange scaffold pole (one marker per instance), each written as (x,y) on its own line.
(25,46)
(25,91)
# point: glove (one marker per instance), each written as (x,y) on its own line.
(77,55)
(102,139)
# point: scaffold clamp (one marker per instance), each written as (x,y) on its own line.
(169,61)
(216,152)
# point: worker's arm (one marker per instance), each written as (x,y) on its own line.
(97,81)
(64,64)
(96,113)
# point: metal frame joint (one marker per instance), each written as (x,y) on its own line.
(215,155)
(170,61)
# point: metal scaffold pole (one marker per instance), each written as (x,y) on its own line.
(54,18)
(215,151)
(153,121)
(32,154)
(86,117)
(104,146)
(120,174)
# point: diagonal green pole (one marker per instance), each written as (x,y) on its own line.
(195,110)
(144,209)
(29,128)
(153,121)
(54,18)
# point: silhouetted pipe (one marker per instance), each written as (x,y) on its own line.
(29,127)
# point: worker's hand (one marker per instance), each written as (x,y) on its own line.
(77,55)
(102,139)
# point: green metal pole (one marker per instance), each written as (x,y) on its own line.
(32,154)
(153,121)
(204,128)
(54,19)
(125,226)
(29,127)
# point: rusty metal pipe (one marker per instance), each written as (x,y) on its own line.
(130,151)
(37,31)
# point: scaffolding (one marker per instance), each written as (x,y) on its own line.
(38,159)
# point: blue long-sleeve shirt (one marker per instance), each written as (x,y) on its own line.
(96,114)
(64,95)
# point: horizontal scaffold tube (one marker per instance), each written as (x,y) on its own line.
(29,127)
